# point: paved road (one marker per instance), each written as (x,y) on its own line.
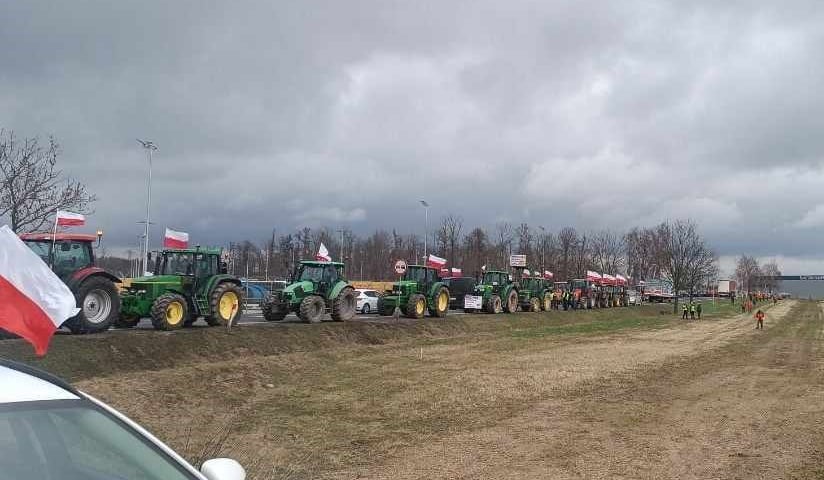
(253,317)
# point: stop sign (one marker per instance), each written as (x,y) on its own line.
(400,267)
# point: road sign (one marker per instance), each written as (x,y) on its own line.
(473,302)
(400,267)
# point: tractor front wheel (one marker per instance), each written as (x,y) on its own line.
(416,306)
(493,305)
(511,305)
(312,309)
(99,306)
(225,304)
(440,303)
(273,312)
(344,305)
(547,304)
(169,311)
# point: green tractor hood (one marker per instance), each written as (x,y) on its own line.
(298,290)
(404,287)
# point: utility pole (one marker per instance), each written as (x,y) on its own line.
(426,229)
(150,147)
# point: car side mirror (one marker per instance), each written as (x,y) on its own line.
(222,469)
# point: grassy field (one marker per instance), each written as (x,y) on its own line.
(517,396)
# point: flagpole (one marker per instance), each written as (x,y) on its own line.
(54,239)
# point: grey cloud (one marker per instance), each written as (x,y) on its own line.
(280,114)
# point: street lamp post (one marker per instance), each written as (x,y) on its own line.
(150,147)
(426,228)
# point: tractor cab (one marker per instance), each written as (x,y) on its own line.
(317,276)
(197,263)
(71,257)
(584,293)
(64,253)
(496,280)
(421,275)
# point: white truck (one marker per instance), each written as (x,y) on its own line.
(726,288)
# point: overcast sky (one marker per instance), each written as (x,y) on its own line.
(346,113)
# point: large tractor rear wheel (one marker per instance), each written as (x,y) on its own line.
(511,304)
(312,309)
(546,305)
(169,311)
(344,305)
(440,303)
(385,307)
(534,304)
(99,306)
(273,312)
(494,304)
(225,304)
(416,306)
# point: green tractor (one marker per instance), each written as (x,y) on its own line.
(535,294)
(498,291)
(317,287)
(419,290)
(187,284)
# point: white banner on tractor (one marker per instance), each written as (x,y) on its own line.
(473,302)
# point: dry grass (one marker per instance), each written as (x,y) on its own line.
(560,395)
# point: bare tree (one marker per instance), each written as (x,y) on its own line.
(686,259)
(475,246)
(747,271)
(607,251)
(567,240)
(770,273)
(503,244)
(525,238)
(31,186)
(449,237)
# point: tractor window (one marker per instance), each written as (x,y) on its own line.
(41,249)
(177,264)
(70,257)
(415,275)
(312,273)
(493,278)
(206,265)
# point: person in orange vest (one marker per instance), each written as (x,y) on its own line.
(759,319)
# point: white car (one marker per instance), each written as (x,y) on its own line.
(49,430)
(367,300)
(633,297)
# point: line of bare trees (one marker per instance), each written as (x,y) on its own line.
(754,277)
(671,250)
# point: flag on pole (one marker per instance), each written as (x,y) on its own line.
(70,219)
(622,280)
(33,301)
(435,262)
(175,239)
(323,254)
(548,275)
(593,276)
(527,273)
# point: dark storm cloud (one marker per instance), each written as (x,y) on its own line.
(282,114)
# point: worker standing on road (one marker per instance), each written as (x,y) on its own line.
(692,310)
(759,317)
(698,309)
(686,309)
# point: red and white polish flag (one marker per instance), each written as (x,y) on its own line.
(323,254)
(175,239)
(33,301)
(593,276)
(435,262)
(548,274)
(70,219)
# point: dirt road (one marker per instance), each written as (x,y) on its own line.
(704,399)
